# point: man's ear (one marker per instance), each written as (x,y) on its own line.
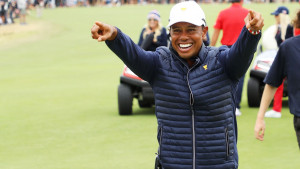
(204,31)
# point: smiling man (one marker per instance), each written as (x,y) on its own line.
(193,85)
(187,39)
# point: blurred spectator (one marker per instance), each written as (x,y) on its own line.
(3,11)
(22,8)
(39,6)
(283,20)
(231,21)
(153,34)
(52,3)
(12,8)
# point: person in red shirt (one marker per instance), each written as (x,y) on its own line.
(231,21)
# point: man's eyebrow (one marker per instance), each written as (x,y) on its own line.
(175,27)
(192,26)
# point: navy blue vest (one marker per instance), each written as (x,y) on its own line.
(195,112)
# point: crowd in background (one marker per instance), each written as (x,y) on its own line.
(120,2)
(11,9)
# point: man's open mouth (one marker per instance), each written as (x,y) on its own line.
(185,46)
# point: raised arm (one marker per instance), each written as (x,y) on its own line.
(240,55)
(138,60)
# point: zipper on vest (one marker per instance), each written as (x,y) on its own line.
(194,139)
(193,118)
(192,109)
(160,139)
(227,143)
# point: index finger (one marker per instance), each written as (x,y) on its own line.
(100,24)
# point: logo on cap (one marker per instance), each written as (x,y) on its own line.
(183,9)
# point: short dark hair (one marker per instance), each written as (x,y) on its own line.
(234,1)
(296,21)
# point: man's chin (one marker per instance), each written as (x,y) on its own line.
(185,55)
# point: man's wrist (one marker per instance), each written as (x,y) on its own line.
(114,33)
(253,32)
(260,115)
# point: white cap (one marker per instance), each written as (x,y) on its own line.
(187,11)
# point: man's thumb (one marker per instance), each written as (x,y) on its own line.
(103,37)
(247,20)
(251,14)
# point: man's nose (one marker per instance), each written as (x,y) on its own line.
(184,36)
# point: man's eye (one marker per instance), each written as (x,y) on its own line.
(176,30)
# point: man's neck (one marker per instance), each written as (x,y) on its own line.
(237,3)
(191,62)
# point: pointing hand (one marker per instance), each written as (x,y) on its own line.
(102,32)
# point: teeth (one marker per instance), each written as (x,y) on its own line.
(185,45)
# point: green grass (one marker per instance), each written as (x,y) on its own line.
(58,104)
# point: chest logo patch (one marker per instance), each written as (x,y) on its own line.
(205,67)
